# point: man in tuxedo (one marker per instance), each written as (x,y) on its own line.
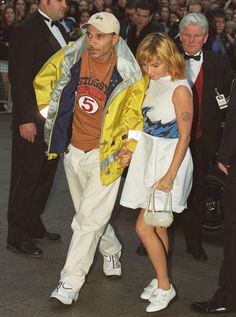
(223,300)
(209,75)
(34,41)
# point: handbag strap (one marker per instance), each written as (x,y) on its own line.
(167,204)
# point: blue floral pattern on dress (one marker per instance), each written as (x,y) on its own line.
(167,130)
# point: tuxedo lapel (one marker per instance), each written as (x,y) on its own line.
(50,38)
(208,72)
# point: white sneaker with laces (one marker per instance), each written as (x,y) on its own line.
(112,265)
(147,293)
(160,299)
(64,294)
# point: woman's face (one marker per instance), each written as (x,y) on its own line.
(20,5)
(10,16)
(72,10)
(84,17)
(155,69)
(33,8)
(220,24)
(83,5)
(164,13)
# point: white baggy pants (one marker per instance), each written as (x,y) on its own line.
(93,204)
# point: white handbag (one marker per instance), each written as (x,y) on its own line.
(159,218)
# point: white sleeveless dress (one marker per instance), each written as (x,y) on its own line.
(155,150)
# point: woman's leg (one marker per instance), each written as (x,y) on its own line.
(5,82)
(156,244)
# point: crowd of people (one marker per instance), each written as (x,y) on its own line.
(164,16)
(120,85)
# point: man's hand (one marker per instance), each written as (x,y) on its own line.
(28,131)
(224,168)
(125,156)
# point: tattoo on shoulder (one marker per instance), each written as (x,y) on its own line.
(185,116)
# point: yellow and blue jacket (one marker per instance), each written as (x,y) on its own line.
(55,86)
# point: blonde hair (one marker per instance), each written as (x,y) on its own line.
(161,46)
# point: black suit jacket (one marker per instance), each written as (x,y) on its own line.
(133,41)
(32,44)
(217,73)
(227,152)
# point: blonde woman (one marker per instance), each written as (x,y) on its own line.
(162,159)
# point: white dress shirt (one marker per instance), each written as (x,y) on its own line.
(193,68)
(54,30)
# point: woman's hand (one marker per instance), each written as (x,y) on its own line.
(125,156)
(165,184)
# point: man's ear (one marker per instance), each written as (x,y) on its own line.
(115,39)
(206,37)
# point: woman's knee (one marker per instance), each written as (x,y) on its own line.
(141,229)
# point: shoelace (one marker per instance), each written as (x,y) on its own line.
(62,284)
(159,295)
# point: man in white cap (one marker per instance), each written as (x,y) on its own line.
(93,110)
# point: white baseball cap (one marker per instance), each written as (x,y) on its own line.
(105,22)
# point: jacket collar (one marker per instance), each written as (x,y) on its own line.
(127,65)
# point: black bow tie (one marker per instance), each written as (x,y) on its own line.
(195,57)
(56,23)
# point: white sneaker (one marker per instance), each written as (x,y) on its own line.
(160,299)
(112,265)
(147,293)
(65,294)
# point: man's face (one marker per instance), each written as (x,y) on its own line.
(131,15)
(100,45)
(98,4)
(122,3)
(193,38)
(206,4)
(55,9)
(173,6)
(165,3)
(195,8)
(143,17)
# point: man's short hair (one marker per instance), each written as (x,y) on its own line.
(194,18)
(145,5)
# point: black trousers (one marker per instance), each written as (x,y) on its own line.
(192,218)
(32,178)
(226,294)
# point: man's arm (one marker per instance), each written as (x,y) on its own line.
(21,65)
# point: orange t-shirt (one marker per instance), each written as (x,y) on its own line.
(90,101)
